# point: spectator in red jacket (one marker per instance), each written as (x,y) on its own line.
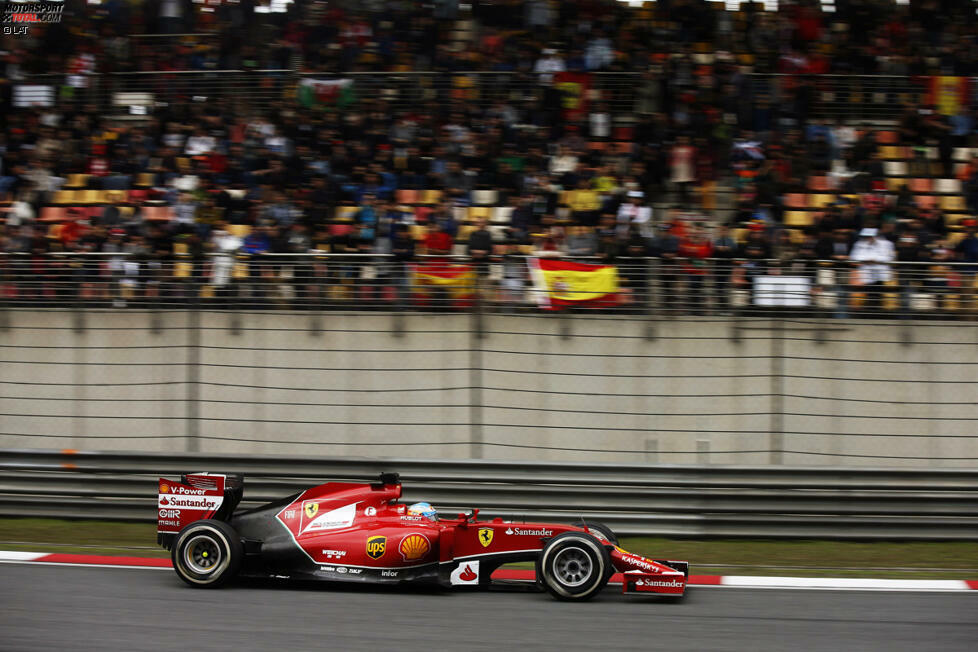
(695,249)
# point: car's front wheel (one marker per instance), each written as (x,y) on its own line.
(600,530)
(207,553)
(574,566)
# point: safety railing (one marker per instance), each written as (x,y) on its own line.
(855,98)
(661,286)
(634,499)
(114,93)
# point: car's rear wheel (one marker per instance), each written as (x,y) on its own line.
(207,554)
(574,566)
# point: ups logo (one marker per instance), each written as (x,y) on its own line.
(376,546)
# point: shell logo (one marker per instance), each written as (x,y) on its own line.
(414,547)
(164,488)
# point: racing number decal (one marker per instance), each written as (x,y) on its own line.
(376,546)
(485,536)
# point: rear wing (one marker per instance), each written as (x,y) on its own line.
(196,496)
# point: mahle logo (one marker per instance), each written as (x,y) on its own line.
(376,547)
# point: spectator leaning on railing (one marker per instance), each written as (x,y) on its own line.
(874,255)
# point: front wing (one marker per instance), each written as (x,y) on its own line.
(643,575)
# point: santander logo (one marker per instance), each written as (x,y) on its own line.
(468,575)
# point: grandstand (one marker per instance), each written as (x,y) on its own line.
(794,109)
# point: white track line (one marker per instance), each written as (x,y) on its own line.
(15,555)
(65,563)
(726,581)
(841,583)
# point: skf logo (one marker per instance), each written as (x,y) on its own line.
(164,488)
(376,547)
(414,547)
(485,536)
(311,509)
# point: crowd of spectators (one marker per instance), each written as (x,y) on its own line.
(921,37)
(286,173)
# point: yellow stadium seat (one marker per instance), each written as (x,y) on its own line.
(64,197)
(239,230)
(479,212)
(820,201)
(346,212)
(798,218)
(114,196)
(890,152)
(76,181)
(430,196)
(953,203)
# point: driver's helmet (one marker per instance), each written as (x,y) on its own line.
(423,509)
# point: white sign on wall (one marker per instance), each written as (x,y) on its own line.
(787,291)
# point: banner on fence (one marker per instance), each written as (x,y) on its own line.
(948,94)
(456,280)
(562,283)
(575,86)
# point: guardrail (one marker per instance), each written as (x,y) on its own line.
(869,98)
(660,500)
(666,285)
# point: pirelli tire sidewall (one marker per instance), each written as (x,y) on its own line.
(601,569)
(219,538)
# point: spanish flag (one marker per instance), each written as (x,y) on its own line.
(948,94)
(456,279)
(562,283)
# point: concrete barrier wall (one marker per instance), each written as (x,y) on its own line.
(535,388)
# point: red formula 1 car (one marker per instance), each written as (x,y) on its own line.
(347,532)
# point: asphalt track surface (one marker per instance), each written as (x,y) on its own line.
(48,607)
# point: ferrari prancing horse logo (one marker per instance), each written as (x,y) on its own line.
(485,536)
(311,509)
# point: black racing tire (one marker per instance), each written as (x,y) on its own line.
(207,554)
(574,566)
(601,528)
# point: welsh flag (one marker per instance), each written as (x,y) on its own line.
(325,91)
(561,283)
(456,279)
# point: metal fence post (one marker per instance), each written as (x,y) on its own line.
(651,333)
(192,396)
(776,429)
(476,334)
(4,309)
